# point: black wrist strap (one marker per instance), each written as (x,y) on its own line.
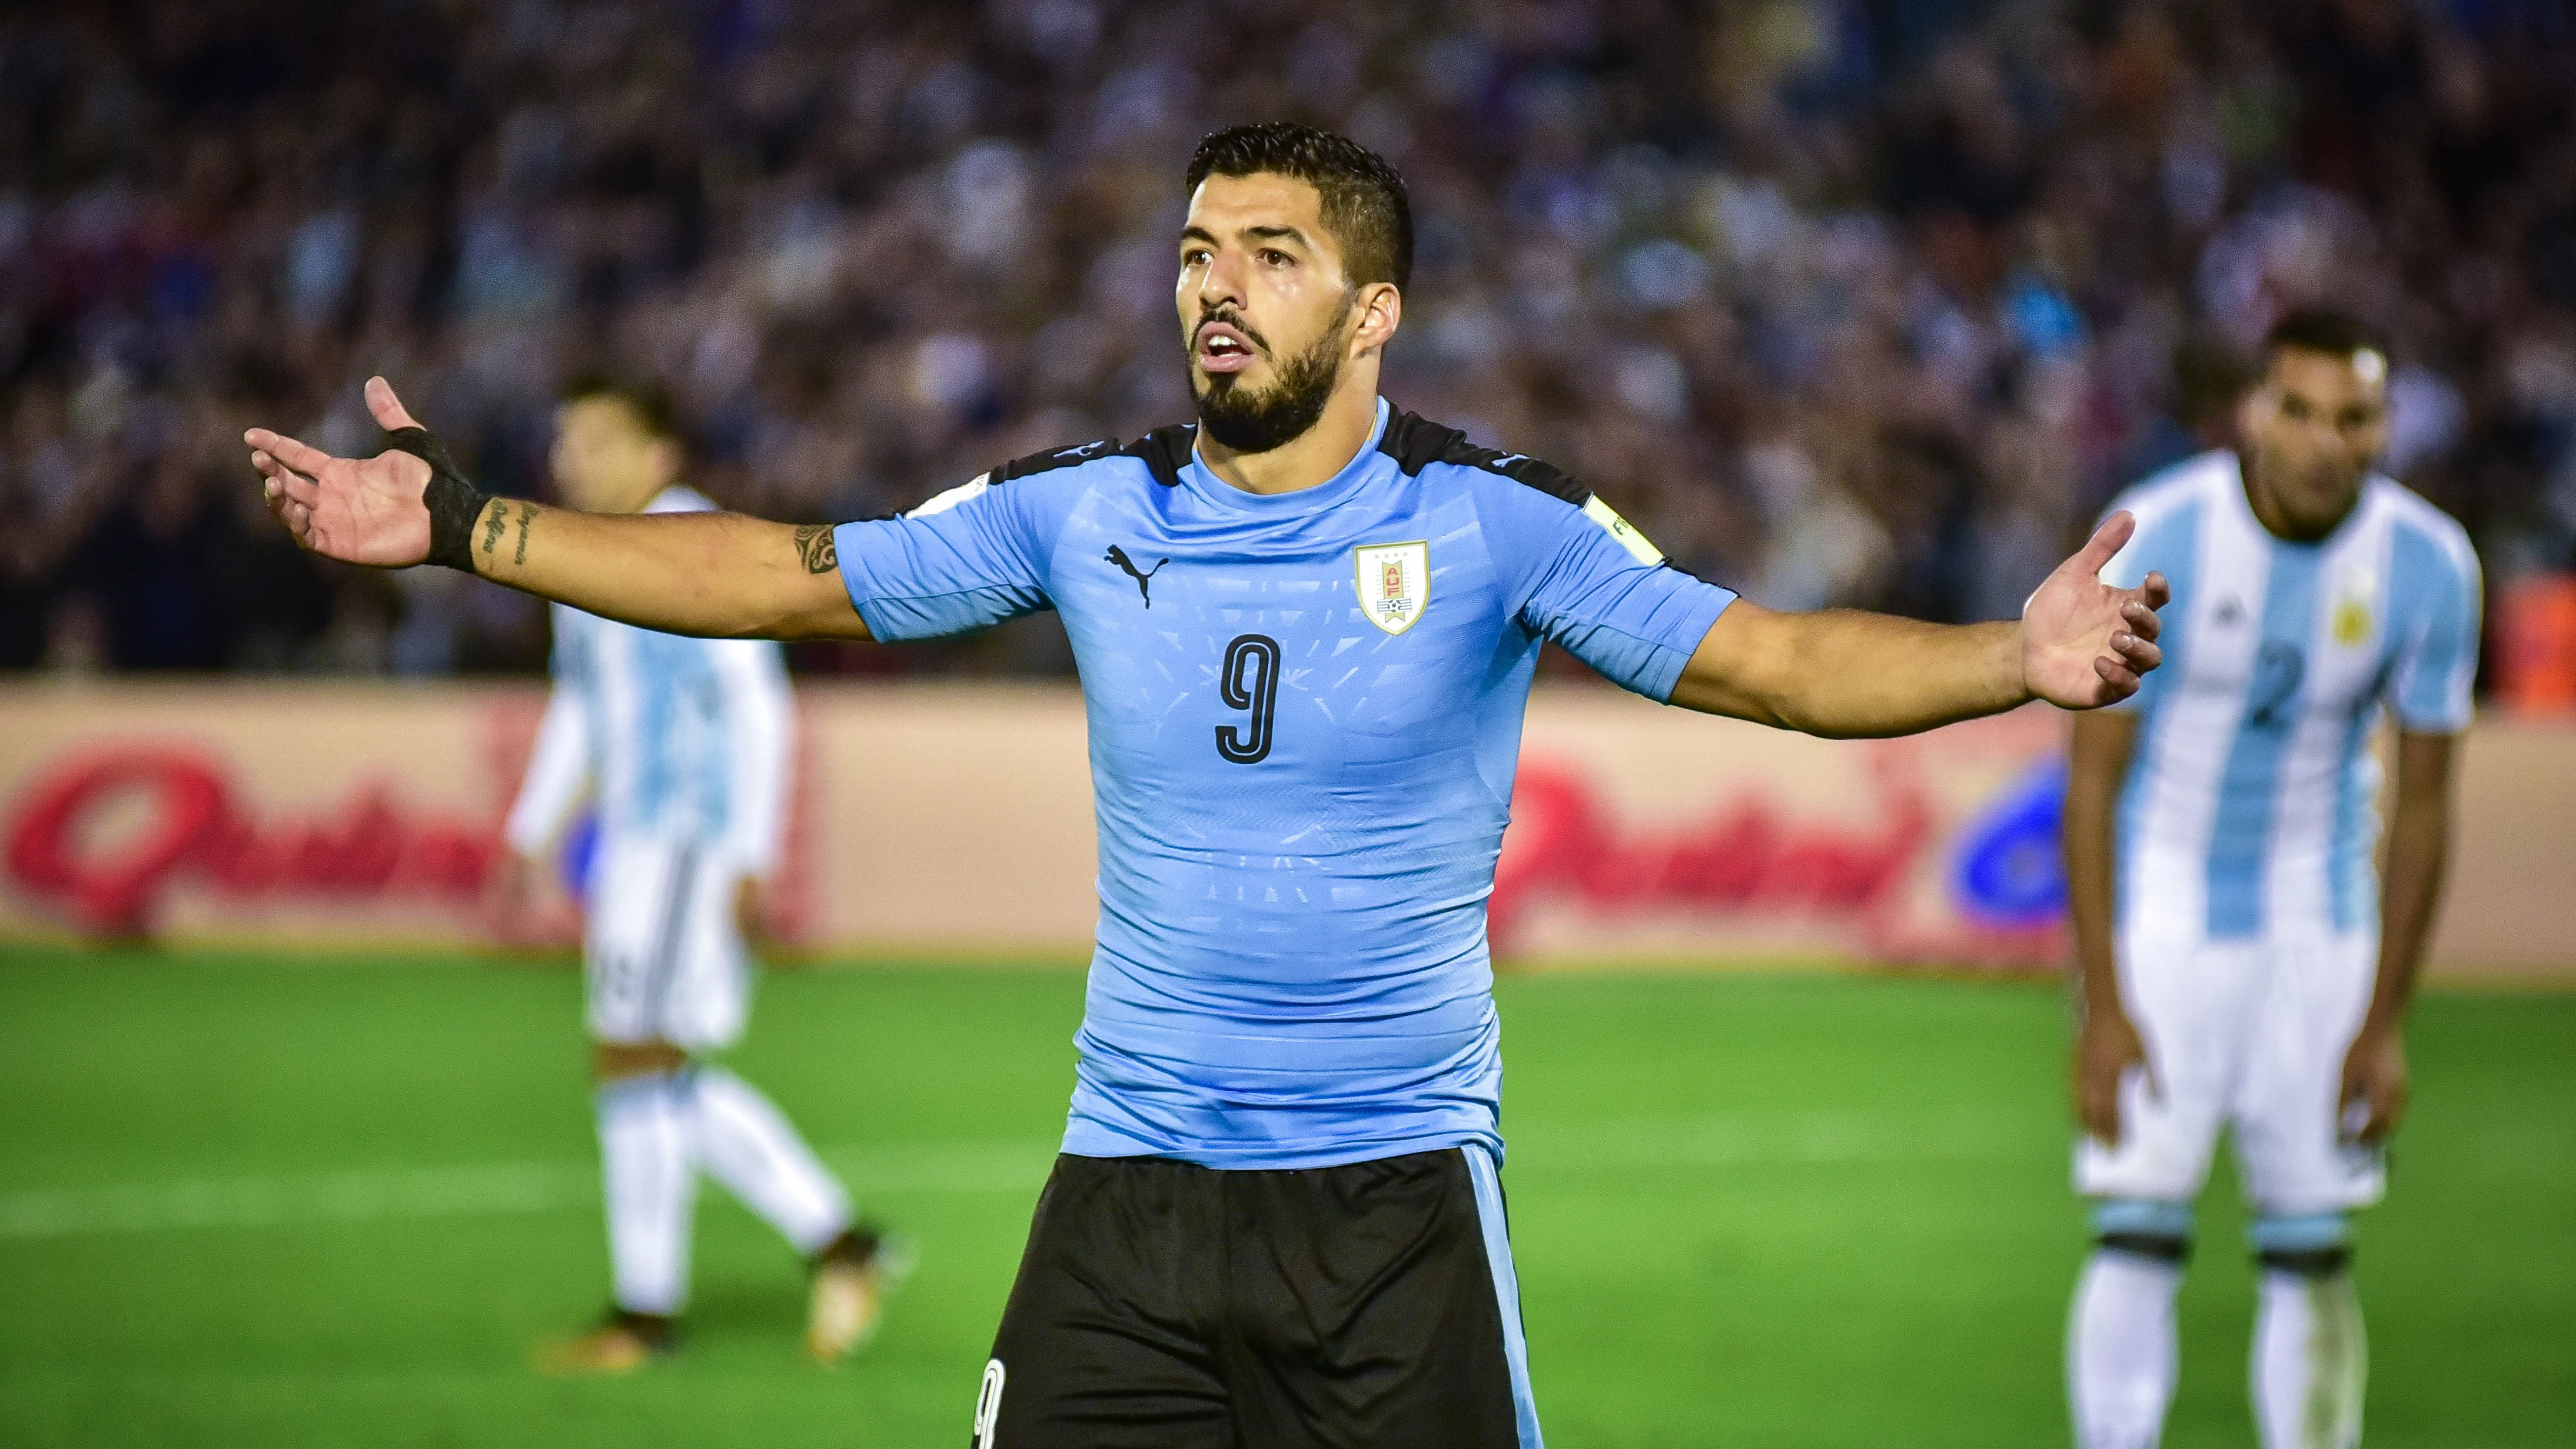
(453,502)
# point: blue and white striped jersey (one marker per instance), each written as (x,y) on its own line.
(684,740)
(2251,802)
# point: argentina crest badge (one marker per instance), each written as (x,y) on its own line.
(1394,583)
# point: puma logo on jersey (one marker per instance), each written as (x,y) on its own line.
(1144,577)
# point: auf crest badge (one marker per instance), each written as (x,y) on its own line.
(1394,583)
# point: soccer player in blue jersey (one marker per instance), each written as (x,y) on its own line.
(2240,964)
(1306,627)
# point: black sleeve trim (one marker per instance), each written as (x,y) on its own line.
(1166,451)
(1052,459)
(1417,442)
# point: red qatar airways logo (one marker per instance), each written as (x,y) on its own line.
(197,830)
(1743,856)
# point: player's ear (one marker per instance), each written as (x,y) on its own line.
(2251,407)
(1376,311)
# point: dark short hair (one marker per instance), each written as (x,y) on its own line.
(1364,200)
(646,402)
(2322,329)
(2209,377)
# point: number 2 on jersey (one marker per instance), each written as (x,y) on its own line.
(1250,680)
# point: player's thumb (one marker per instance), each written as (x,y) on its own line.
(391,415)
(2106,541)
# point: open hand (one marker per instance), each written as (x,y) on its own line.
(514,886)
(2084,643)
(2374,1081)
(2107,1049)
(516,901)
(357,510)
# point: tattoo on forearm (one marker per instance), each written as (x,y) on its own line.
(492,522)
(527,515)
(814,545)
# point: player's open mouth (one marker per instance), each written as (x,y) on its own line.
(1222,348)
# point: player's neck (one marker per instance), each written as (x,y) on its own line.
(2277,520)
(638,501)
(1311,457)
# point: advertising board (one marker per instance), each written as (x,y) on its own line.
(953,822)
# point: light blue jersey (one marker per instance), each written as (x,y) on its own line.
(2251,802)
(683,741)
(1305,715)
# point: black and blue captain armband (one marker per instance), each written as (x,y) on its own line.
(451,498)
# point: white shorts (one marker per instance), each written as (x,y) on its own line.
(2249,1035)
(663,958)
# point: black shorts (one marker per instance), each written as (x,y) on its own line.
(1166,1306)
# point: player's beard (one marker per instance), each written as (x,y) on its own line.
(1246,421)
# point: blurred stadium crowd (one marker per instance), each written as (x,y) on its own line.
(1845,301)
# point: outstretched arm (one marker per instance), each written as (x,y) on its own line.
(716,574)
(2079,644)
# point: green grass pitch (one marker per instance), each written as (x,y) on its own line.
(308,1203)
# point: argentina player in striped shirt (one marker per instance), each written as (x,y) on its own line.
(2242,962)
(1306,625)
(682,747)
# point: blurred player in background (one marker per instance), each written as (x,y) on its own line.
(2240,963)
(685,743)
